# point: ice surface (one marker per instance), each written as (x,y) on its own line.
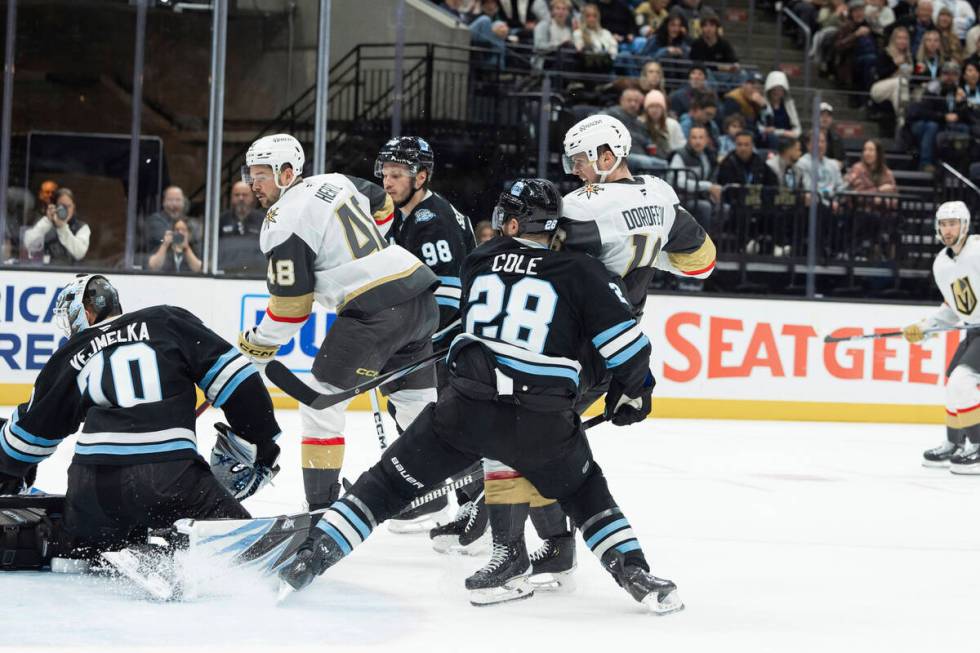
(781,537)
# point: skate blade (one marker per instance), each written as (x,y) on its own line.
(965,470)
(285,591)
(935,464)
(560,582)
(422,524)
(668,605)
(449,545)
(516,589)
(129,565)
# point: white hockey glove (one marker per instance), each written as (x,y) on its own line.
(258,354)
(239,466)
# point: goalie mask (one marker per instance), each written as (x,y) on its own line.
(92,291)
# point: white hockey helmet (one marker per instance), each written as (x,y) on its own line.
(955,210)
(587,136)
(276,150)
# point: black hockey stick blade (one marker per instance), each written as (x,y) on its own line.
(593,421)
(293,386)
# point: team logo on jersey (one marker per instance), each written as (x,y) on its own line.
(424,215)
(589,190)
(966,299)
(270,215)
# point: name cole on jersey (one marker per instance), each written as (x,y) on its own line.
(635,226)
(324,246)
(531,310)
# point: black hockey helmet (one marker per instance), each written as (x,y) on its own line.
(535,203)
(91,291)
(412,151)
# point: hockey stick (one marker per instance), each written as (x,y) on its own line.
(203,407)
(894,334)
(379,424)
(293,386)
(463,478)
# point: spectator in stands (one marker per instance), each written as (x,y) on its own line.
(856,49)
(893,68)
(971,86)
(827,172)
(175,253)
(835,144)
(618,18)
(871,174)
(918,23)
(628,112)
(520,16)
(961,12)
(743,166)
(455,9)
(489,31)
(45,195)
(747,99)
(591,37)
(732,127)
(950,43)
(971,41)
(880,16)
(652,77)
(695,165)
(665,133)
(555,31)
(779,118)
(704,108)
(711,47)
(60,237)
(942,109)
(829,20)
(483,231)
(174,208)
(239,229)
(671,40)
(691,10)
(784,164)
(649,16)
(929,58)
(680,100)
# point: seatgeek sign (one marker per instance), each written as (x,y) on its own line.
(713,350)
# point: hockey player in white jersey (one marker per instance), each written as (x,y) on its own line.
(633,224)
(323,245)
(957,273)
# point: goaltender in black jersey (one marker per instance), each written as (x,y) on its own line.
(131,377)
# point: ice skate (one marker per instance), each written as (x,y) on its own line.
(318,553)
(939,456)
(553,564)
(504,578)
(659,595)
(467,533)
(966,460)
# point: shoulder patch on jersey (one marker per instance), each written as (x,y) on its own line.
(588,190)
(423,215)
(270,215)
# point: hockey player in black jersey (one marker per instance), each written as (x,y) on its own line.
(528,311)
(427,225)
(131,377)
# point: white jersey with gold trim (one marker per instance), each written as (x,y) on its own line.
(322,243)
(958,278)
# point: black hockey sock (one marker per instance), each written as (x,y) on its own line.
(322,486)
(956,436)
(972,433)
(507,521)
(549,521)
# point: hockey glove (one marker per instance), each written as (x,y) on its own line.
(622,410)
(913,333)
(240,465)
(10,484)
(258,354)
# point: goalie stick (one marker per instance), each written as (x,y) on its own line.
(294,386)
(895,334)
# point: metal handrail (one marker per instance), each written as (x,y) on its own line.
(807,60)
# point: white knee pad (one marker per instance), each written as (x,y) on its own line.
(325,423)
(409,403)
(491,466)
(962,392)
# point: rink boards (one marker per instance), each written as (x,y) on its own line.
(714,357)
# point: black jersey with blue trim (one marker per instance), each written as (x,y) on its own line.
(535,308)
(441,237)
(131,379)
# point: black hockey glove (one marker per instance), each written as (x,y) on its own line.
(242,467)
(622,410)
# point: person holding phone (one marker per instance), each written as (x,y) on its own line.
(175,253)
(59,237)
